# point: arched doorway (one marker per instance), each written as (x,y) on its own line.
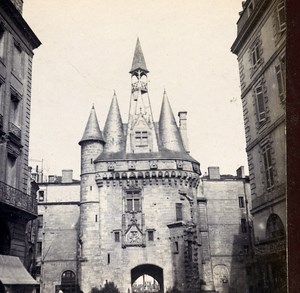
(68,282)
(148,270)
(275,228)
(4,238)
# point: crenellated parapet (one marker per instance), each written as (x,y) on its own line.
(148,172)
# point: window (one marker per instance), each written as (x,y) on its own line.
(17,60)
(281,20)
(68,278)
(260,104)
(255,54)
(179,212)
(41,196)
(2,34)
(243,226)
(141,138)
(176,250)
(275,228)
(133,201)
(267,162)
(117,236)
(150,235)
(39,248)
(108,258)
(40,221)
(190,251)
(281,79)
(38,270)
(241,202)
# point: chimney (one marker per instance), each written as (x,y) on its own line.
(240,172)
(67,176)
(214,173)
(183,129)
(18,4)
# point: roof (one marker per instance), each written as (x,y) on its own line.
(13,272)
(22,25)
(138,61)
(168,131)
(92,130)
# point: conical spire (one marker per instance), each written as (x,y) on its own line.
(113,129)
(138,59)
(92,130)
(168,130)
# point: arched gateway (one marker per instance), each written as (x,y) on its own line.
(148,269)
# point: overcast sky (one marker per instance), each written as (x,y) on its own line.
(86,53)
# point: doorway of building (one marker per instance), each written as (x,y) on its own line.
(147,278)
(4,238)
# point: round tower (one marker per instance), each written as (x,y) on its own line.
(92,144)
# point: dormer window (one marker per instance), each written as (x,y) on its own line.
(141,138)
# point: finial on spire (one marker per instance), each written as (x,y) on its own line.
(115,93)
(93,106)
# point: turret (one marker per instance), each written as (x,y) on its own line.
(92,143)
(113,129)
(168,131)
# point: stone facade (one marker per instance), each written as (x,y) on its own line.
(17,198)
(260,47)
(225,228)
(138,195)
(57,236)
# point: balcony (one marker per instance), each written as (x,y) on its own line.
(17,199)
(14,131)
(139,85)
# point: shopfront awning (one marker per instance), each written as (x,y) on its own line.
(13,272)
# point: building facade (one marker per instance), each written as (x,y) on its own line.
(260,49)
(17,204)
(224,227)
(57,234)
(138,196)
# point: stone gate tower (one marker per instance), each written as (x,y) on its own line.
(139,184)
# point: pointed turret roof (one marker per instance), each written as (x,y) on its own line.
(138,59)
(92,130)
(168,131)
(113,129)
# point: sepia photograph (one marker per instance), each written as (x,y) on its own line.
(143,146)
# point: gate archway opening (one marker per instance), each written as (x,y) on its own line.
(141,279)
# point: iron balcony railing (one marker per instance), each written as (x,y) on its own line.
(18,199)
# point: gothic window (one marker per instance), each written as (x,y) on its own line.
(267,163)
(241,202)
(260,103)
(275,228)
(133,201)
(281,78)
(141,138)
(179,212)
(11,171)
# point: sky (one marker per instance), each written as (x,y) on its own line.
(86,53)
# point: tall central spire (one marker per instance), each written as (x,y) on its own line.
(141,136)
